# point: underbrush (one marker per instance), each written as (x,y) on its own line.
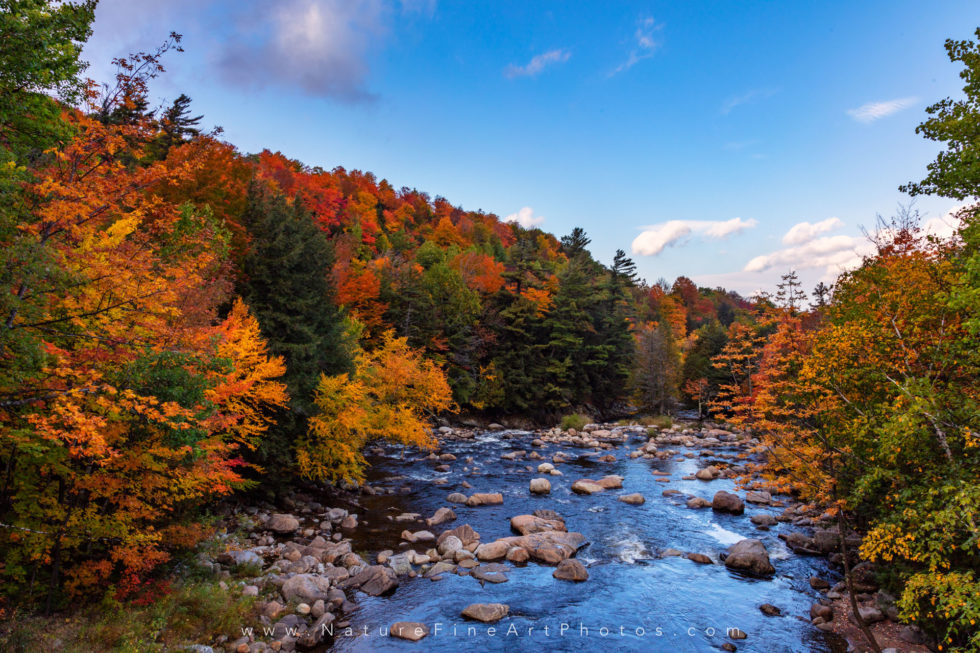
(160,616)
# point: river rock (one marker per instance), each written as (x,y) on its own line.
(697,503)
(449,545)
(571,569)
(282,523)
(305,587)
(770,610)
(825,612)
(586,486)
(818,583)
(709,473)
(727,502)
(635,499)
(763,498)
(763,519)
(486,612)
(317,632)
(490,573)
(550,547)
(517,555)
(464,532)
(410,630)
(527,524)
(239,558)
(750,556)
(540,486)
(493,550)
(699,558)
(456,497)
(545,468)
(485,499)
(374,580)
(610,482)
(441,516)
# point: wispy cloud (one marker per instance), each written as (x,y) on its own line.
(872,111)
(525,217)
(655,238)
(745,98)
(537,64)
(644,45)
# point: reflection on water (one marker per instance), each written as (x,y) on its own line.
(634,600)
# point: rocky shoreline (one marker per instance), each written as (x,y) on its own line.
(298,561)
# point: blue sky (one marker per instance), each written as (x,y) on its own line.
(701,136)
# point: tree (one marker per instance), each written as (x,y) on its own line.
(575,243)
(30,119)
(789,292)
(956,171)
(658,369)
(388,396)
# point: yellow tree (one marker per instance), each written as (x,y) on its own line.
(388,396)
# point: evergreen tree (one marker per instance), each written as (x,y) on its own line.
(286,284)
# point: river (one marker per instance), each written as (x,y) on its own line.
(634,599)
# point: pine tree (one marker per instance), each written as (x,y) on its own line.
(286,284)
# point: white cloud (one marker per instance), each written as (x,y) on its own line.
(872,111)
(835,253)
(537,64)
(525,217)
(656,237)
(644,44)
(805,231)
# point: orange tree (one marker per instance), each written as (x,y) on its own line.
(124,398)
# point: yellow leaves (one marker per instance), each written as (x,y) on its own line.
(388,397)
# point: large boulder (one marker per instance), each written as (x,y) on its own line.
(571,569)
(486,612)
(750,556)
(306,588)
(527,524)
(550,547)
(485,499)
(727,502)
(283,524)
(374,580)
(540,486)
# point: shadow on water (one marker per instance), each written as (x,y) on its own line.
(634,600)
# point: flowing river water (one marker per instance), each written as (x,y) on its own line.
(634,599)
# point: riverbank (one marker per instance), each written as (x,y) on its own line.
(622,527)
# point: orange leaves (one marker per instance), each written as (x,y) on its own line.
(245,395)
(480,272)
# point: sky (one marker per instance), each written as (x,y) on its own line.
(725,141)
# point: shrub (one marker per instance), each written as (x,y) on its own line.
(576,421)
